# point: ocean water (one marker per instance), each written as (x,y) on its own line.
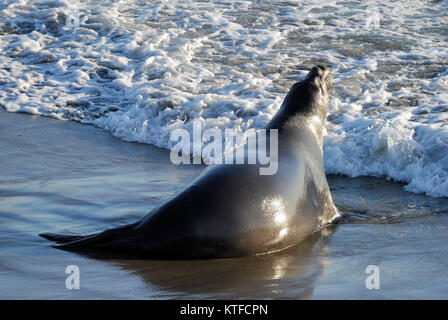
(140,69)
(48,185)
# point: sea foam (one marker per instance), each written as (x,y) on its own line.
(142,69)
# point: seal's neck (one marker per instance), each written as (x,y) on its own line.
(305,107)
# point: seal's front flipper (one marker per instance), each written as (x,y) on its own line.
(60,238)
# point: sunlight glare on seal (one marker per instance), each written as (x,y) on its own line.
(275,208)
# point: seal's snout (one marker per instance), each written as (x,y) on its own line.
(319,71)
(322,75)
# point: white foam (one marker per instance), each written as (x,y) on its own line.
(140,70)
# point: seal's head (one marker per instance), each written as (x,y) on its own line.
(319,78)
(306,99)
(311,95)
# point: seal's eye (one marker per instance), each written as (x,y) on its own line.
(319,71)
(321,67)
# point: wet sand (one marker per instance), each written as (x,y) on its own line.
(71,178)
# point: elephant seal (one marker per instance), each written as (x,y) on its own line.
(231,210)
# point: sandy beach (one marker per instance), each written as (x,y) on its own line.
(66,177)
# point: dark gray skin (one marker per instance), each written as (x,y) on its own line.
(231,210)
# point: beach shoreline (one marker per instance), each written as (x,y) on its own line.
(63,176)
